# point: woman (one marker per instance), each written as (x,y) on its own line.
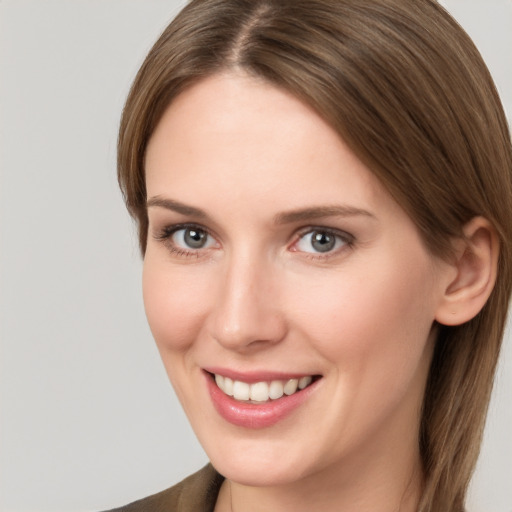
(322,191)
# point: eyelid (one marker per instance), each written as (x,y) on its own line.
(169,229)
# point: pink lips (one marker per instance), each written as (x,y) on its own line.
(260,415)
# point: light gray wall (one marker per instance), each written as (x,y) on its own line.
(88,419)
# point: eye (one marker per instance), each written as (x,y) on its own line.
(322,241)
(192,237)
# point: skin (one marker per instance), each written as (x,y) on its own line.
(259,296)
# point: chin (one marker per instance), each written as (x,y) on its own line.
(257,474)
(258,466)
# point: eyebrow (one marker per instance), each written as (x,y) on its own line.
(176,206)
(299,215)
(318,212)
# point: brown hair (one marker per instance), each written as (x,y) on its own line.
(407,90)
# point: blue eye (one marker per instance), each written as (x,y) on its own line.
(192,238)
(321,241)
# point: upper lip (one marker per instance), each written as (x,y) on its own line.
(253,376)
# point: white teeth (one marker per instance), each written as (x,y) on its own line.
(224,383)
(228,386)
(261,391)
(276,389)
(304,382)
(291,386)
(241,390)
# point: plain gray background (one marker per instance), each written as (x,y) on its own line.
(88,419)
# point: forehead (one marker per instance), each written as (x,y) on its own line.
(240,137)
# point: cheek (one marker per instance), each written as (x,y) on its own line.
(371,320)
(175,304)
(373,330)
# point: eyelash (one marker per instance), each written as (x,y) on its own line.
(167,232)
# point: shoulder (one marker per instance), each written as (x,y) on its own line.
(197,493)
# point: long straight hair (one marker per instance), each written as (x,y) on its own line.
(406,89)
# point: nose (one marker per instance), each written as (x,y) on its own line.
(247,315)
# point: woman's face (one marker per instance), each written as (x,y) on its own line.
(276,261)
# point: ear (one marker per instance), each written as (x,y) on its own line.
(475,269)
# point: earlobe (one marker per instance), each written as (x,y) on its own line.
(476,265)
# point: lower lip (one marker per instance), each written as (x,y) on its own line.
(258,415)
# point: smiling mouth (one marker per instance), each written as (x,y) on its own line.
(263,391)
